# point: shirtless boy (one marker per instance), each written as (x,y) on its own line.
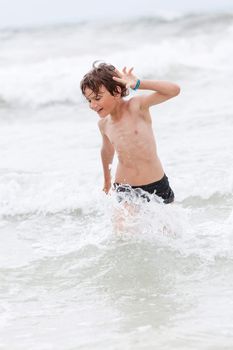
(126,128)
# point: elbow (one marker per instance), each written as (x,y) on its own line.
(175,90)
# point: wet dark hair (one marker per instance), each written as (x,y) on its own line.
(101,74)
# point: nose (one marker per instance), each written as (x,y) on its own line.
(93,105)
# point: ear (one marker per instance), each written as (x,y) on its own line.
(118,94)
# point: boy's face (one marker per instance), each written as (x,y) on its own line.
(103,103)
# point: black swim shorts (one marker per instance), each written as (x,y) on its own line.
(160,188)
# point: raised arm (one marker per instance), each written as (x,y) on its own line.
(107,154)
(163,90)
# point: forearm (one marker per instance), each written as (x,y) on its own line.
(107,158)
(163,87)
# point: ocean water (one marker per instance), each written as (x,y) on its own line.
(67,280)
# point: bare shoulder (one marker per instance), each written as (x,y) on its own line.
(134,103)
(136,108)
(102,125)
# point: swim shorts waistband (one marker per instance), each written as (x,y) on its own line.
(160,188)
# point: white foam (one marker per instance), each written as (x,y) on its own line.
(44,74)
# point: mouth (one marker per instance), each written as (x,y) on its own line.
(99,110)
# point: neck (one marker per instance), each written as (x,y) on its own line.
(116,113)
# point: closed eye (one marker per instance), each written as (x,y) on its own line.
(97,98)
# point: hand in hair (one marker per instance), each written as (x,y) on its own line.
(126,78)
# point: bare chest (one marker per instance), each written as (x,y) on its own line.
(129,134)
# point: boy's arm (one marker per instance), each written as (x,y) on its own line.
(163,90)
(107,154)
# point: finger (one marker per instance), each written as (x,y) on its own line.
(124,70)
(118,72)
(131,69)
(118,79)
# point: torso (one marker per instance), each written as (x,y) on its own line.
(133,140)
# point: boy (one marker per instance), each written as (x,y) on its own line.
(126,128)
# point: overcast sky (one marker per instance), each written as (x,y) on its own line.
(35,12)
